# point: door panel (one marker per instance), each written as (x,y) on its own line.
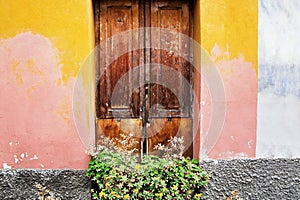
(170,105)
(160,130)
(174,16)
(117,17)
(156,111)
(118,129)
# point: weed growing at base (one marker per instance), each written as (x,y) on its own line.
(117,173)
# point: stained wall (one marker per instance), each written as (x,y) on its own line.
(47,82)
(229,34)
(278,79)
(42,46)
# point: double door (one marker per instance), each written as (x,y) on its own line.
(144,87)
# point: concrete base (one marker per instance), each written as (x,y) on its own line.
(253,179)
(66,184)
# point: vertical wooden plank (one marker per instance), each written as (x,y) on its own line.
(103,87)
(148,57)
(120,20)
(186,54)
(136,58)
(96,7)
(170,19)
(155,89)
(140,93)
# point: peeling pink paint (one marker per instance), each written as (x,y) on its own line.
(238,137)
(35,110)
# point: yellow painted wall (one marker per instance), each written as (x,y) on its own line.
(67,24)
(231,23)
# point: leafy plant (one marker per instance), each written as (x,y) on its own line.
(119,175)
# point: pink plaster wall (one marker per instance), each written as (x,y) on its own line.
(238,137)
(36,124)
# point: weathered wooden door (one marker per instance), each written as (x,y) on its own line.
(161,107)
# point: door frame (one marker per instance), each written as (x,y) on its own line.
(195,28)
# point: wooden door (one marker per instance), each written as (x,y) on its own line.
(156,112)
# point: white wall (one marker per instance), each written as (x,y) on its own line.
(278,133)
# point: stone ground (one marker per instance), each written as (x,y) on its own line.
(251,179)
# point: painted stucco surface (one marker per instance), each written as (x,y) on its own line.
(42,46)
(279,79)
(229,34)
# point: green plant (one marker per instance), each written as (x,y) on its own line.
(119,175)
